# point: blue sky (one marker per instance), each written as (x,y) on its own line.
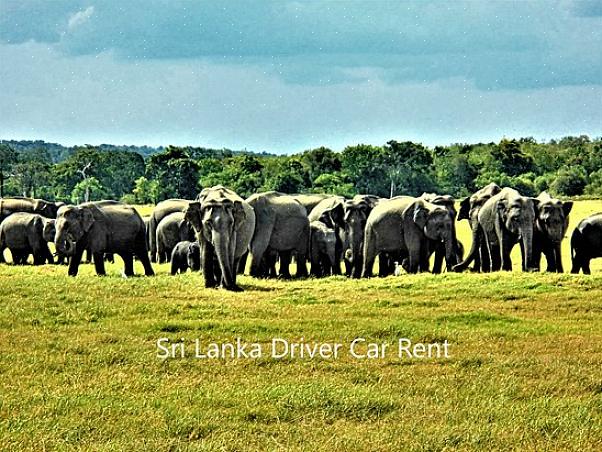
(284,76)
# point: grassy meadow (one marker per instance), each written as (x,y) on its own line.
(79,367)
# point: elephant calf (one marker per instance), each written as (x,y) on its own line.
(551,223)
(185,255)
(24,234)
(322,249)
(586,243)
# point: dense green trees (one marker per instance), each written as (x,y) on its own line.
(571,166)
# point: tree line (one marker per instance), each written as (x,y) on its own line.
(571,166)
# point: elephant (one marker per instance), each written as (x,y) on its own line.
(108,228)
(160,211)
(331,212)
(104,202)
(469,210)
(506,219)
(283,226)
(322,248)
(438,248)
(172,229)
(551,224)
(18,204)
(224,224)
(405,225)
(309,201)
(356,212)
(586,243)
(25,233)
(185,255)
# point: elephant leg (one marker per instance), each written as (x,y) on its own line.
(506,249)
(585,266)
(88,257)
(209,263)
(495,255)
(558,258)
(99,263)
(484,258)
(128,264)
(301,265)
(285,261)
(439,255)
(550,255)
(142,255)
(75,260)
(369,253)
(242,263)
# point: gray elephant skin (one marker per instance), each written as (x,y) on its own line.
(322,249)
(26,233)
(507,219)
(586,243)
(404,225)
(224,224)
(331,213)
(309,201)
(185,255)
(469,210)
(160,211)
(551,224)
(18,204)
(112,228)
(172,229)
(356,212)
(282,226)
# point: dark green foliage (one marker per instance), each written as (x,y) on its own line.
(570,166)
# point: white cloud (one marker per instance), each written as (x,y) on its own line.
(80,17)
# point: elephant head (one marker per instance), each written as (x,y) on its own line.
(356,214)
(45,208)
(334,217)
(49,230)
(193,256)
(552,217)
(435,223)
(72,224)
(216,221)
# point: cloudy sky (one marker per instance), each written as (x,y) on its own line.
(284,76)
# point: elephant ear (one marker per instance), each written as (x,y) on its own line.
(535,203)
(336,215)
(420,214)
(567,206)
(238,211)
(464,213)
(87,219)
(192,214)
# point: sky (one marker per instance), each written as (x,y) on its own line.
(285,76)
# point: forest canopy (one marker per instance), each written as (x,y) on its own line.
(571,166)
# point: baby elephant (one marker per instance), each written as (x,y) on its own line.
(24,234)
(185,255)
(322,249)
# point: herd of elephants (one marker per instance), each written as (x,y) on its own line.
(218,231)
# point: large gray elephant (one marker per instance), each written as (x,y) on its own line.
(172,229)
(101,229)
(507,219)
(309,201)
(469,210)
(160,211)
(331,212)
(586,243)
(282,226)
(224,224)
(18,204)
(404,225)
(356,212)
(25,233)
(322,249)
(551,223)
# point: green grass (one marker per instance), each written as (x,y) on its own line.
(78,364)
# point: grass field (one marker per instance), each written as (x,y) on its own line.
(79,366)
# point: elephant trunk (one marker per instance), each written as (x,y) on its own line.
(64,244)
(474,247)
(450,252)
(527,238)
(225,257)
(356,238)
